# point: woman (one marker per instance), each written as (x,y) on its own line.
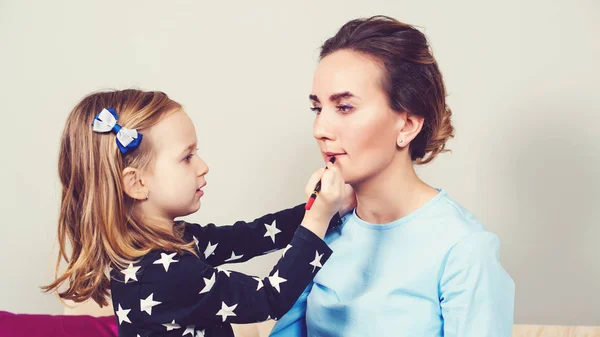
(409,261)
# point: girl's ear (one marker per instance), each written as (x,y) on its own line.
(133,184)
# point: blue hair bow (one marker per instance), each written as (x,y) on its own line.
(106,121)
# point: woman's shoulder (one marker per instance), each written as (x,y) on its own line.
(449,214)
(452,222)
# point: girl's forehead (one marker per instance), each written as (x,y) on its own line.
(175,132)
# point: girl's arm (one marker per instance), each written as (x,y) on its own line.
(177,292)
(244,240)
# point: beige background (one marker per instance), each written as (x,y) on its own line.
(522,80)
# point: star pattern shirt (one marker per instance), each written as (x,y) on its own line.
(166,294)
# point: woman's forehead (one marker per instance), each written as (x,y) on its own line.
(346,71)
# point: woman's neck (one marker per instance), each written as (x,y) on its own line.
(392,194)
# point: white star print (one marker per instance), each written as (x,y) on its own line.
(226,272)
(210,250)
(147,304)
(260,283)
(200,333)
(189,330)
(208,284)
(166,260)
(122,313)
(286,249)
(171,326)
(196,242)
(234,257)
(276,281)
(226,311)
(130,272)
(317,261)
(272,230)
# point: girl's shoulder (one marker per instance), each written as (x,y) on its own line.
(155,265)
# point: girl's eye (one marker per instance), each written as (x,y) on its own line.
(190,156)
(315,109)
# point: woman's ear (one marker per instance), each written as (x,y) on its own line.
(409,126)
(133,184)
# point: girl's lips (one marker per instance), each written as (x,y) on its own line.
(199,189)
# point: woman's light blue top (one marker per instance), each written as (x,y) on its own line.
(433,273)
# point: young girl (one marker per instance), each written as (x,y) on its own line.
(129,167)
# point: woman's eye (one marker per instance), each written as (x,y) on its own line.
(344,108)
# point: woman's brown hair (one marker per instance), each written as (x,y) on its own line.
(411,77)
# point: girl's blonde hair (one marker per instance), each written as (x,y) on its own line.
(95,214)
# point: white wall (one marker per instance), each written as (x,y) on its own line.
(522,79)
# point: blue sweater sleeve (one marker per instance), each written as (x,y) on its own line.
(293,323)
(476,293)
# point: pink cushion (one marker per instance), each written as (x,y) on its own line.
(27,325)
